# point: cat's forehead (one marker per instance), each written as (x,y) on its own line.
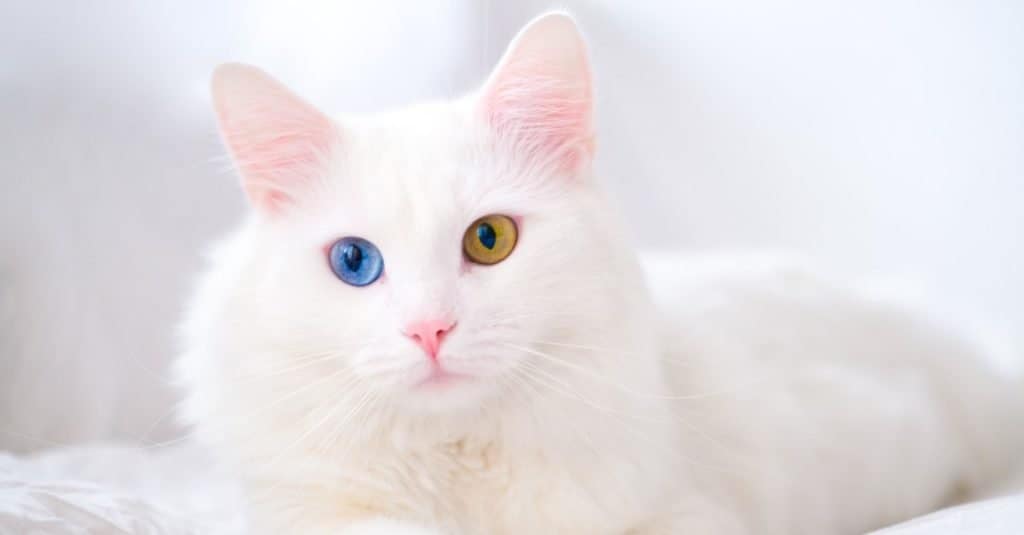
(423,165)
(426,134)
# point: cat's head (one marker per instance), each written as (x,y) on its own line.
(436,256)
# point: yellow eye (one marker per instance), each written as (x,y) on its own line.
(490,239)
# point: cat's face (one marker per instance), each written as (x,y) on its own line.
(434,256)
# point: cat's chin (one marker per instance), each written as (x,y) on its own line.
(444,391)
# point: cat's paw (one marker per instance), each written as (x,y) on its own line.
(387,526)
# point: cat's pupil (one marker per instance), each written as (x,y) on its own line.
(353,257)
(485,233)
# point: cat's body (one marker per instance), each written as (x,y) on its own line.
(831,410)
(556,396)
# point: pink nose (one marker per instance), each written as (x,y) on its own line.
(428,334)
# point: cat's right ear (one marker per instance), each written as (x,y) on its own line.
(539,97)
(278,141)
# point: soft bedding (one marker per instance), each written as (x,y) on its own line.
(112,489)
(998,516)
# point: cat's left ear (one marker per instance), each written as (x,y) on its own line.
(539,98)
(278,141)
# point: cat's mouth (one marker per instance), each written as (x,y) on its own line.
(438,377)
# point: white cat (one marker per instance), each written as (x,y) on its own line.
(432,323)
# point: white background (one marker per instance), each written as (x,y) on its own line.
(884,137)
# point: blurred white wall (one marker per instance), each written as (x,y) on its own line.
(882,136)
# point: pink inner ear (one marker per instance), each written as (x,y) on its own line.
(548,117)
(277,152)
(278,141)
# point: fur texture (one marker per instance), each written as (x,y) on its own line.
(693,395)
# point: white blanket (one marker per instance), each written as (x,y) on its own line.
(110,489)
(998,516)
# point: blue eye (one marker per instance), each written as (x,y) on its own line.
(355,261)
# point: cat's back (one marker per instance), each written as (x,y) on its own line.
(787,308)
(755,300)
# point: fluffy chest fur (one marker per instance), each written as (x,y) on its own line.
(562,469)
(472,488)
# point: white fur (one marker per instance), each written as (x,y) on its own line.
(742,399)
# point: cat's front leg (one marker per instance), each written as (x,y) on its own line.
(370,526)
(297,508)
(694,515)
(386,526)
